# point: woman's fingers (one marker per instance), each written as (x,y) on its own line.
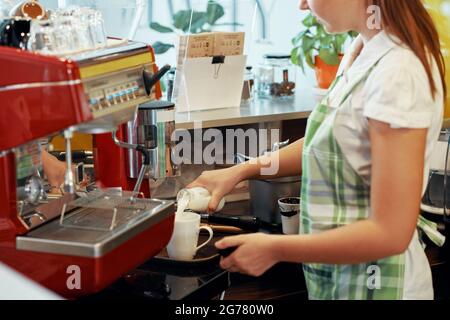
(227,264)
(194,184)
(228,242)
(232,269)
(214,202)
(231,264)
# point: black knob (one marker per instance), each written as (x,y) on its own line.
(227,252)
(248,223)
(151,79)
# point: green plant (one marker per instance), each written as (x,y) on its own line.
(202,21)
(314,40)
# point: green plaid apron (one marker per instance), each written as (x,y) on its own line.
(334,195)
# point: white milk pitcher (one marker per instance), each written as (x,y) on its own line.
(196,199)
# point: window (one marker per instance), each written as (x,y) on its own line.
(277,21)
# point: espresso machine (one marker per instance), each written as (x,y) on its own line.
(77,243)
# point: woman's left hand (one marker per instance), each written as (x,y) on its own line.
(54,170)
(256,253)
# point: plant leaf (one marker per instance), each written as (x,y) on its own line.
(308,44)
(309,21)
(214,12)
(329,56)
(199,19)
(182,19)
(160,28)
(296,40)
(326,41)
(339,42)
(294,56)
(309,58)
(161,48)
(297,59)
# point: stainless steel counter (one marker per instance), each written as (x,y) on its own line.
(258,111)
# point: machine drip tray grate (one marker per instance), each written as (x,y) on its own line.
(104,210)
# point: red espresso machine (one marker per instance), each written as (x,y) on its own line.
(76,244)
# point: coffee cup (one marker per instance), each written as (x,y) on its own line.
(290,214)
(183,244)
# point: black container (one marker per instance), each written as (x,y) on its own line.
(15,32)
(436,193)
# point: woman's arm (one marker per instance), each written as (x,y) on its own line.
(285,162)
(396,188)
(54,169)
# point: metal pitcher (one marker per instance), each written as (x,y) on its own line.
(153,128)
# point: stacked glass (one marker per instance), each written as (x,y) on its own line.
(68,31)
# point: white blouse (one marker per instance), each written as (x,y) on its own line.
(397,92)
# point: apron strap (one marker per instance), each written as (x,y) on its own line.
(333,85)
(431,230)
(362,79)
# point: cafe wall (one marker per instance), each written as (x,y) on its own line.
(269,27)
(440,10)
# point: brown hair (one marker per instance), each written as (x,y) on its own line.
(409,21)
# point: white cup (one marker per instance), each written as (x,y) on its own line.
(183,244)
(290,214)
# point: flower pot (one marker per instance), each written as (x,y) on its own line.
(325,73)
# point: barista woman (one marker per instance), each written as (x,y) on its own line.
(364,161)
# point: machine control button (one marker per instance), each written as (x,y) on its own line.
(129,93)
(110,100)
(116,96)
(123,94)
(103,103)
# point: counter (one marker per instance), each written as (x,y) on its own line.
(258,111)
(156,280)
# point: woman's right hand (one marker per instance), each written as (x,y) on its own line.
(219,183)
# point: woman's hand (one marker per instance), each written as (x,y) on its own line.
(219,183)
(54,170)
(256,253)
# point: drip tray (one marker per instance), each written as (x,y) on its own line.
(93,225)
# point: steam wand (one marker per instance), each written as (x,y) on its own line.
(145,164)
(69,180)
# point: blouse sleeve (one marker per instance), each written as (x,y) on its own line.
(398,93)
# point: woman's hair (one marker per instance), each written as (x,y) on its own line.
(409,21)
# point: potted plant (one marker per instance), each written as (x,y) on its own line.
(320,50)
